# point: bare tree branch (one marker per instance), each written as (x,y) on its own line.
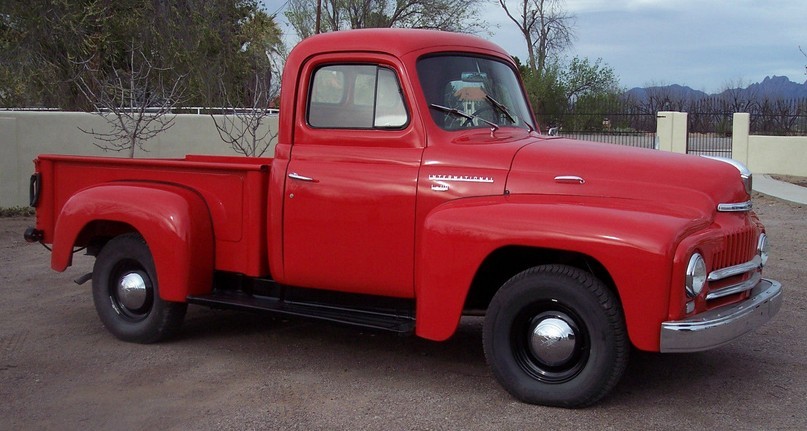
(245,128)
(546,27)
(805,56)
(136,103)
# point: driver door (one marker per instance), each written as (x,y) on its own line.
(349,206)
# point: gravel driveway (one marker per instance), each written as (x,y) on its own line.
(60,369)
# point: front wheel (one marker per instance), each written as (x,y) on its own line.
(554,335)
(126,293)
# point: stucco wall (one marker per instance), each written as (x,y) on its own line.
(784,155)
(24,135)
(671,131)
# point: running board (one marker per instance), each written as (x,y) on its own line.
(385,320)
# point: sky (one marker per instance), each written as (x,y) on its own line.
(708,45)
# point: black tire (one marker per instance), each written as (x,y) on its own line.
(580,320)
(135,314)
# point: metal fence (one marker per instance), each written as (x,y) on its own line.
(632,122)
(710,121)
(779,118)
(621,124)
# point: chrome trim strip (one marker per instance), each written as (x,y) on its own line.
(737,288)
(460,178)
(570,179)
(745,173)
(719,326)
(731,271)
(735,207)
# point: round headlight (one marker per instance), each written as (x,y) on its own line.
(762,249)
(696,275)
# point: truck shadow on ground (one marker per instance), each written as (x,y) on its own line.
(267,330)
(650,377)
(710,377)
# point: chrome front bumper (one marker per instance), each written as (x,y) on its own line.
(719,326)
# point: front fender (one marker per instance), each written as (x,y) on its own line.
(174,221)
(635,243)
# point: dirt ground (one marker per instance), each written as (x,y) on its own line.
(799,181)
(60,369)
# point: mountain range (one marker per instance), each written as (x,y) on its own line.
(772,87)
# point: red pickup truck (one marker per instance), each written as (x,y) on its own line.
(410,185)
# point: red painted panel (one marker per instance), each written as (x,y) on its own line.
(174,221)
(235,190)
(353,228)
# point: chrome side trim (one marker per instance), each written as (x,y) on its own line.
(745,173)
(737,288)
(719,326)
(731,271)
(461,178)
(735,207)
(569,179)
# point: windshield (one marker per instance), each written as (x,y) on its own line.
(466,91)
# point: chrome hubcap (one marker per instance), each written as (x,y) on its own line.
(552,341)
(132,291)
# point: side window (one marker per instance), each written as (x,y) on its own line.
(329,87)
(390,111)
(356,97)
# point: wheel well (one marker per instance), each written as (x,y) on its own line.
(504,263)
(98,232)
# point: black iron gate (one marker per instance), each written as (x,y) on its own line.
(709,133)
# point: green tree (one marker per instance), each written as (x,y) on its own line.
(450,15)
(42,43)
(577,87)
(582,79)
(12,87)
(546,92)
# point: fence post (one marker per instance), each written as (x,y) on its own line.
(740,129)
(671,131)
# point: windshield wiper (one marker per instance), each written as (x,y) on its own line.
(498,105)
(503,109)
(459,113)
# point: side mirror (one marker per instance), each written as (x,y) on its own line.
(553,131)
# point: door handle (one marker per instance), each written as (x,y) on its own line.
(296,176)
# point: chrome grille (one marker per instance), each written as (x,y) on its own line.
(739,247)
(735,266)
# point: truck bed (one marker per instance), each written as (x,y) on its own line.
(234,188)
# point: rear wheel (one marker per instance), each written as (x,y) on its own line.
(126,293)
(554,335)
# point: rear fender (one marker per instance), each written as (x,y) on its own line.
(633,246)
(174,221)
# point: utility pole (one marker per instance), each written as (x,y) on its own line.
(319,14)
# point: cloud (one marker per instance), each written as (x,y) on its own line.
(703,44)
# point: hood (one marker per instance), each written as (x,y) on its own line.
(672,182)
